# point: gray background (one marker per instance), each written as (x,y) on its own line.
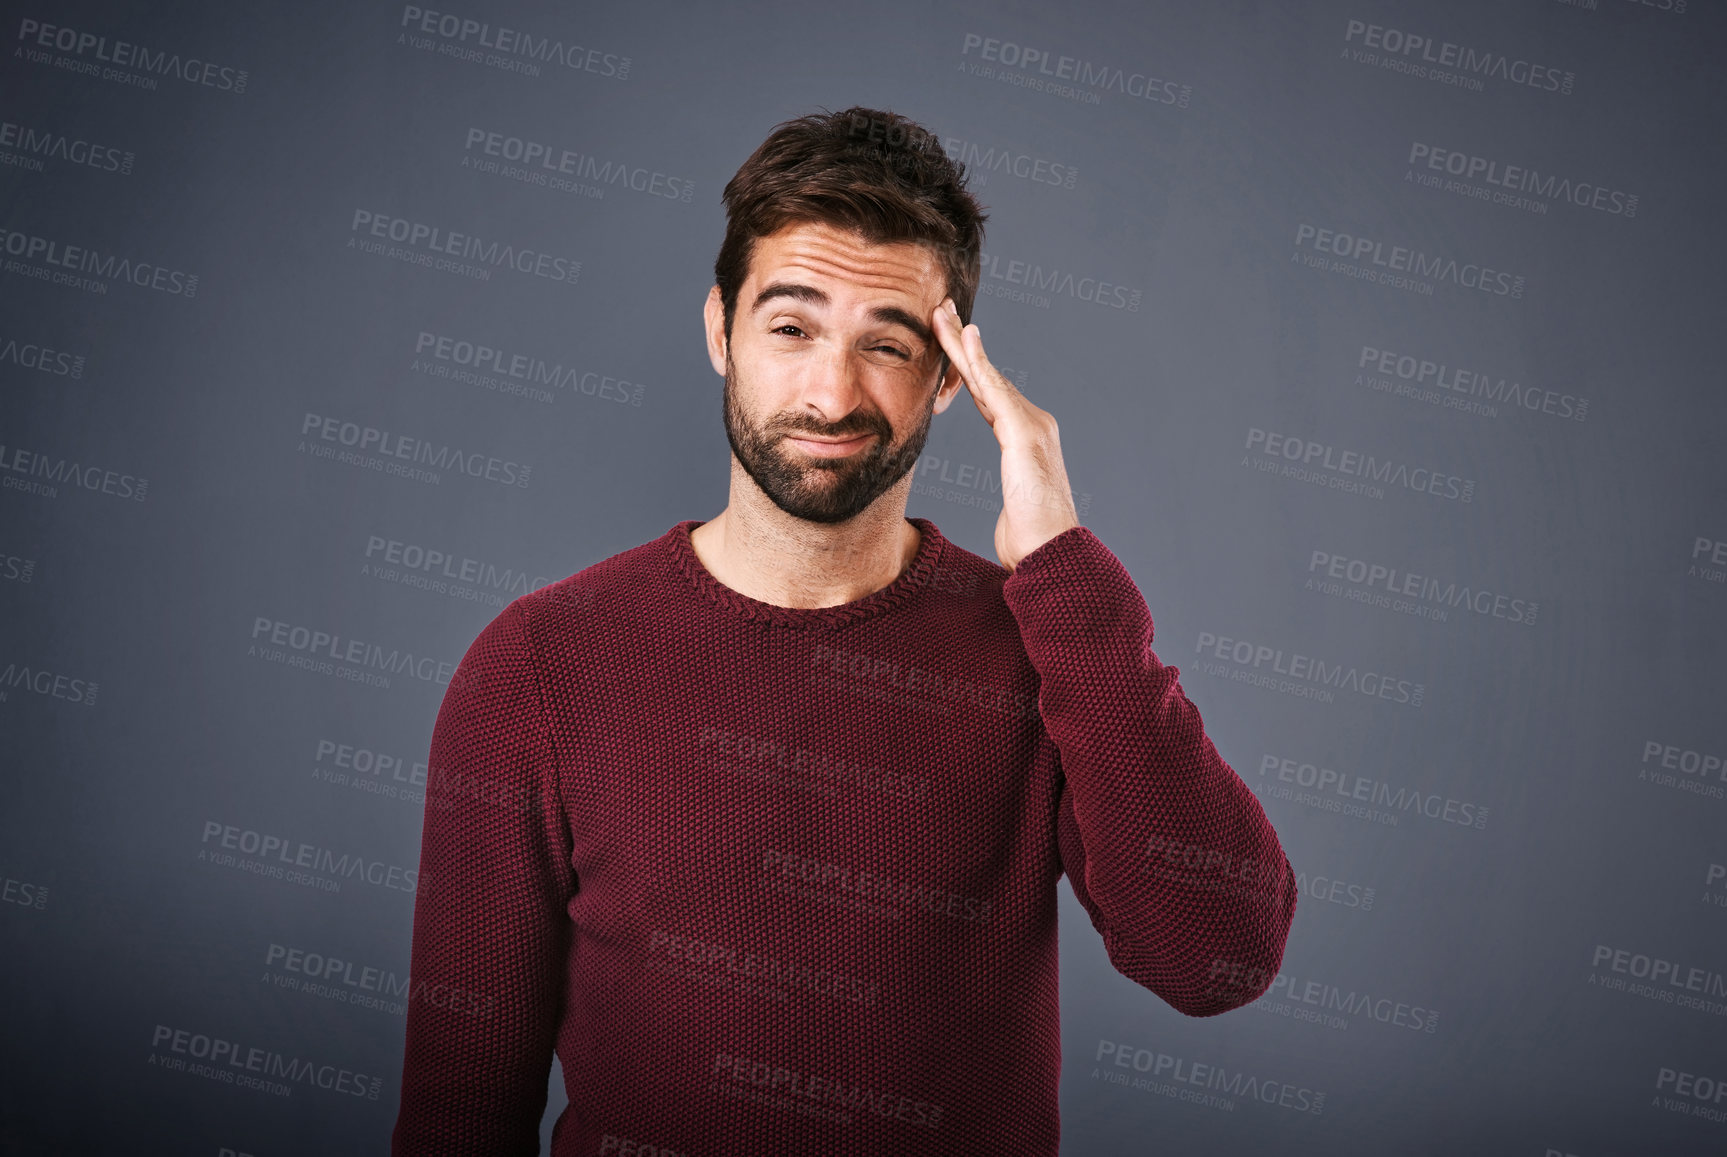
(113,923)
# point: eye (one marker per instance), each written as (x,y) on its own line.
(782,328)
(894,350)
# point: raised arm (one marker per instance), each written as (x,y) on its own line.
(1170,853)
(490,917)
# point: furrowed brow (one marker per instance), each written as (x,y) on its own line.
(885,314)
(891,315)
(806,293)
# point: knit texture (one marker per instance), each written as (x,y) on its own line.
(783,881)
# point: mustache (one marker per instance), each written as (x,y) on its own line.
(838,430)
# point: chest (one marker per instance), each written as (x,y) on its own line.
(739,789)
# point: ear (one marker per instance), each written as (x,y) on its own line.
(951,383)
(714,319)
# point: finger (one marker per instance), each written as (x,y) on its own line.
(990,389)
(993,379)
(948,332)
(977,375)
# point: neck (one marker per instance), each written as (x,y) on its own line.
(758,550)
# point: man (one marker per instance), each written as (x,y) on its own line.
(759,824)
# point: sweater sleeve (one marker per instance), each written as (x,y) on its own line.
(1168,851)
(490,917)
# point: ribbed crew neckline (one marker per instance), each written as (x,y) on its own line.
(911,581)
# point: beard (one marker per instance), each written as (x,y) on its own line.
(824,490)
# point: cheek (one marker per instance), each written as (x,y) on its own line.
(908,416)
(758,368)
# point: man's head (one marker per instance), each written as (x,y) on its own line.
(845,231)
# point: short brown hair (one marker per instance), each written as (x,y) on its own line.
(873,172)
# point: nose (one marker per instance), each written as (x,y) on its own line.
(832,384)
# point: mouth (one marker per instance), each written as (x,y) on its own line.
(828,447)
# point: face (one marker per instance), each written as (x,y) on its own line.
(831,369)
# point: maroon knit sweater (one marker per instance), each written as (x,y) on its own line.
(783,881)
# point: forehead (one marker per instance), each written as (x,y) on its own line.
(836,260)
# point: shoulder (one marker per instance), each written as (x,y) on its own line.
(605,594)
(557,625)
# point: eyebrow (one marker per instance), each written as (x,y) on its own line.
(886,314)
